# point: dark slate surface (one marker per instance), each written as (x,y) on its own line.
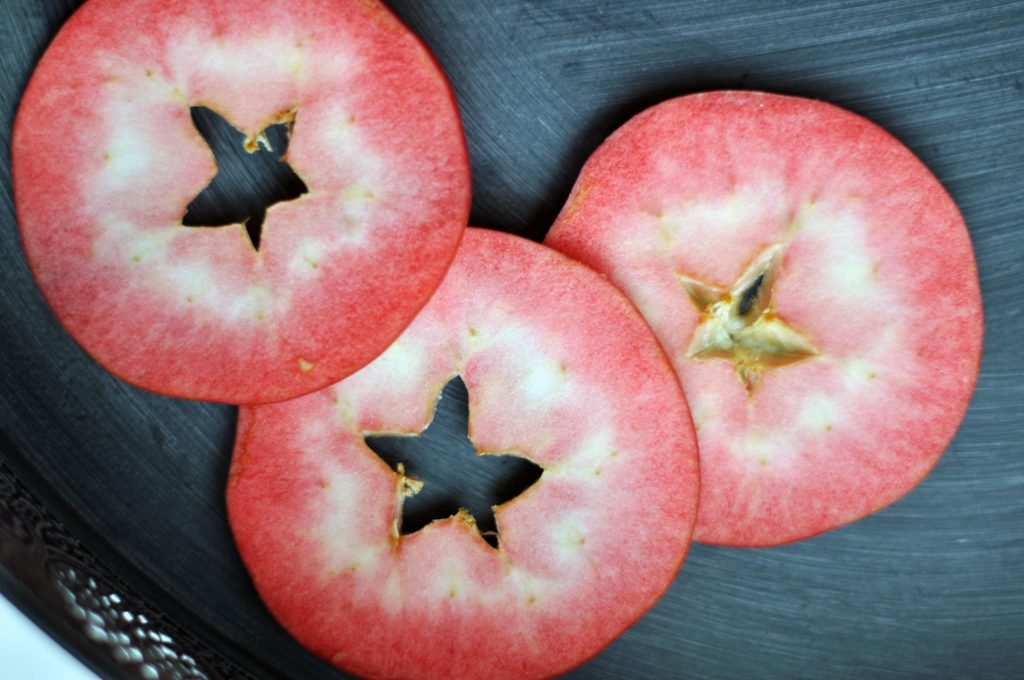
(931,587)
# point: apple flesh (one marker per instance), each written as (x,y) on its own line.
(560,369)
(814,287)
(106,160)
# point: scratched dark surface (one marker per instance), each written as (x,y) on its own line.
(931,587)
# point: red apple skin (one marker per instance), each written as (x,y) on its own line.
(106,160)
(561,369)
(877,272)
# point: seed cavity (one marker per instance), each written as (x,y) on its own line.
(750,295)
(440,473)
(740,325)
(250,178)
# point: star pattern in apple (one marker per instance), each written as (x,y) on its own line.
(250,176)
(740,325)
(441,472)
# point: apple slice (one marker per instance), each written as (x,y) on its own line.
(814,287)
(107,160)
(562,371)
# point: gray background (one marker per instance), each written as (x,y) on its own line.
(931,587)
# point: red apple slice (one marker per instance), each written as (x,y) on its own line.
(106,160)
(814,287)
(560,369)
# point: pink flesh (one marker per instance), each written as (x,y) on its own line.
(561,369)
(106,159)
(878,273)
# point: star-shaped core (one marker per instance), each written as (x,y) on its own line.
(739,324)
(441,473)
(250,176)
